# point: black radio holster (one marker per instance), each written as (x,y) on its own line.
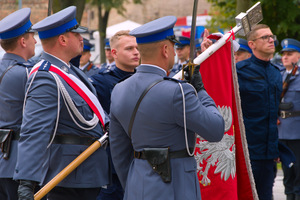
(5,142)
(159,159)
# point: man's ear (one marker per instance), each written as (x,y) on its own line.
(165,50)
(22,42)
(114,52)
(62,39)
(251,44)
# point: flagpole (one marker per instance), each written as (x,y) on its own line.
(244,23)
(71,167)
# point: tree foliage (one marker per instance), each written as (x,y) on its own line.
(283,17)
(61,4)
(104,8)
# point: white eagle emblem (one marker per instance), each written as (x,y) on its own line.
(286,43)
(221,154)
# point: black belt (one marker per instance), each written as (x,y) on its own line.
(74,139)
(286,114)
(174,154)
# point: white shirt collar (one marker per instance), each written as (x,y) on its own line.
(67,64)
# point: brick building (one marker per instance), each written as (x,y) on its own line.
(140,13)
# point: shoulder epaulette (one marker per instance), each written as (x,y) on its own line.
(242,64)
(104,71)
(173,79)
(45,66)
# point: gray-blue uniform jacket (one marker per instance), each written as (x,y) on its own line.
(12,92)
(288,127)
(90,69)
(38,163)
(159,123)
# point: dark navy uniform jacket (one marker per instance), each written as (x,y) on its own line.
(38,163)
(12,92)
(288,128)
(108,66)
(105,81)
(260,85)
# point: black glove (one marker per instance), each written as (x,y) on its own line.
(26,190)
(196,79)
(106,129)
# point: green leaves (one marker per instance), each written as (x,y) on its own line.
(283,17)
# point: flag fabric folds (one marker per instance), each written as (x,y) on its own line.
(224,169)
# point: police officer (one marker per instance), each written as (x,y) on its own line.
(154,120)
(290,115)
(244,52)
(110,63)
(17,39)
(58,121)
(183,53)
(126,55)
(260,86)
(86,65)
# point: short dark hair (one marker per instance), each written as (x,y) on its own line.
(11,44)
(252,34)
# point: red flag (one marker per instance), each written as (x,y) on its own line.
(224,170)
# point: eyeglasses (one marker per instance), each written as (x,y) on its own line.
(267,38)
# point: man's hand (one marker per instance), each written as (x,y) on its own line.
(196,79)
(206,42)
(26,190)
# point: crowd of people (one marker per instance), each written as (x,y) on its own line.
(52,110)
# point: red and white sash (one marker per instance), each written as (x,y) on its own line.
(79,87)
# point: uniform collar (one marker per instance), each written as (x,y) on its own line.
(259,61)
(11,56)
(151,68)
(55,61)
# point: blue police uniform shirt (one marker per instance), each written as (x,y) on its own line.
(159,123)
(90,69)
(288,127)
(39,121)
(12,92)
(260,86)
